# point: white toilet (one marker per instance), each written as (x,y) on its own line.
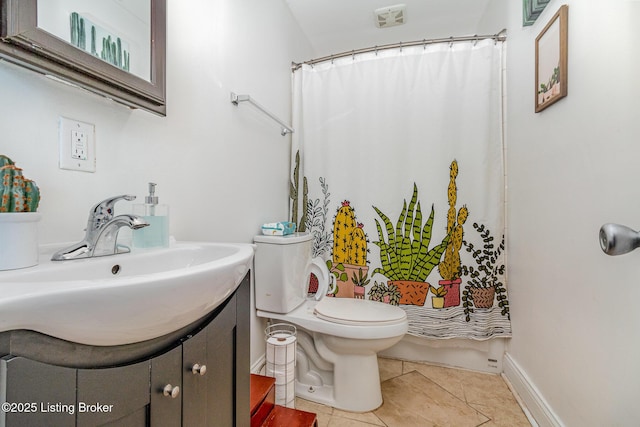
(338,338)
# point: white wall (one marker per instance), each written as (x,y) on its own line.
(571,168)
(222,169)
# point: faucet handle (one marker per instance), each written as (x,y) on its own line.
(103,212)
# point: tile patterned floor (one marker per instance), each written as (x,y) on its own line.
(421,395)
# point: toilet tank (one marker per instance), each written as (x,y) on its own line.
(282,269)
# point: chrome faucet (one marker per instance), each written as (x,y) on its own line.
(102,232)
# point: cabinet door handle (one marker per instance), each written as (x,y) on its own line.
(170,390)
(199,369)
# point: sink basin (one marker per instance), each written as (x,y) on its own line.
(122,299)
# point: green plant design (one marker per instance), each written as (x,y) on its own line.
(360,279)
(487,273)
(293,194)
(379,290)
(17,193)
(405,255)
(338,271)
(112,49)
(555,78)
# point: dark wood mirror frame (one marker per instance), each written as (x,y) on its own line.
(24,43)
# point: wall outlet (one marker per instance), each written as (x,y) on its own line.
(77,145)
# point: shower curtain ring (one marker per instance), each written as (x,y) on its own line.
(451,42)
(400,47)
(353,55)
(424,44)
(476,40)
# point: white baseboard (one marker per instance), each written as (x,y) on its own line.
(533,403)
(482,356)
(258,366)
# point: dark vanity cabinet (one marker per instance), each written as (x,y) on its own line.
(36,394)
(200,378)
(113,396)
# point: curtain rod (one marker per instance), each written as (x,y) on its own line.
(499,37)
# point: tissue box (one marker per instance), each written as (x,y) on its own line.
(278,228)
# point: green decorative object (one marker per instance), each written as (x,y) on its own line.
(17,191)
(32,196)
(75,29)
(361,279)
(405,255)
(4,161)
(301,225)
(338,272)
(87,35)
(386,293)
(7,185)
(17,194)
(531,9)
(12,189)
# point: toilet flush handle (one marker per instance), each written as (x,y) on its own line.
(325,282)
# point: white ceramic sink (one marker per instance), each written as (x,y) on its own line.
(125,298)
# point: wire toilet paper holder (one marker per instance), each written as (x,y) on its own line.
(280,361)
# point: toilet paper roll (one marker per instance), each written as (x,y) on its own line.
(286,393)
(281,349)
(282,373)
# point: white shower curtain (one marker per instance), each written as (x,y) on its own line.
(397,171)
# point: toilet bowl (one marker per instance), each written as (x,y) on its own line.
(338,338)
(350,380)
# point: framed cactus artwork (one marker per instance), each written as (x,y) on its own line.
(551,61)
(99,42)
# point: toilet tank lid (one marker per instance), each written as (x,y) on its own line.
(283,240)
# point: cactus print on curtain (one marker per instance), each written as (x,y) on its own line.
(397,172)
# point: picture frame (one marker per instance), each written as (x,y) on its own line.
(551,71)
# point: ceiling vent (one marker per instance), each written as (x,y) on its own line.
(390,16)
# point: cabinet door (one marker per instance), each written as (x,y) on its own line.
(38,394)
(209,399)
(166,399)
(113,396)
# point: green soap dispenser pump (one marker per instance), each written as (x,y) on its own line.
(157,215)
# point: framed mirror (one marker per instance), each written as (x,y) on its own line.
(112,47)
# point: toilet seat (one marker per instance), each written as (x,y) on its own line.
(350,311)
(304,317)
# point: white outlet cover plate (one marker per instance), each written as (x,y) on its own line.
(77,145)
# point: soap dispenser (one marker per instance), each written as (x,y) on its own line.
(157,215)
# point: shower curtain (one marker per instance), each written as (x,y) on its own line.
(397,172)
